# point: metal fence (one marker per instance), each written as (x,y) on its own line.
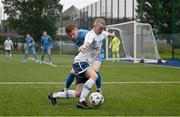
(113,11)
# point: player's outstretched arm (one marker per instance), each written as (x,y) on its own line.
(84,46)
(12,45)
(112,34)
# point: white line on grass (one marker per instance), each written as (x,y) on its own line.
(62,83)
(44,62)
(113,66)
(165,66)
(145,66)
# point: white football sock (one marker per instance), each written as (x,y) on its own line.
(65,94)
(86,89)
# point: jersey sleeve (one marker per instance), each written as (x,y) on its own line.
(5,42)
(50,39)
(105,34)
(89,37)
(11,42)
(41,41)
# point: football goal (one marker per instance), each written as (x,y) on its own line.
(137,42)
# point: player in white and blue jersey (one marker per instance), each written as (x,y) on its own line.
(89,51)
(78,36)
(46,45)
(29,47)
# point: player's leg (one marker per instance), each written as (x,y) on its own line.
(62,94)
(113,55)
(44,50)
(92,75)
(6,54)
(88,72)
(35,56)
(68,93)
(49,55)
(10,54)
(96,66)
(26,54)
(79,88)
(80,81)
(117,53)
(69,80)
(98,83)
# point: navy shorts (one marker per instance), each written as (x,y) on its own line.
(8,51)
(80,67)
(30,49)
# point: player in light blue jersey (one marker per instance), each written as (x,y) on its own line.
(46,45)
(78,37)
(29,47)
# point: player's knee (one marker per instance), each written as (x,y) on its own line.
(77,93)
(72,72)
(94,76)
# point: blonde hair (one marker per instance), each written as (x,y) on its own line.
(99,20)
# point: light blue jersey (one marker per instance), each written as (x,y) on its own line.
(80,37)
(46,45)
(29,45)
(46,41)
(29,41)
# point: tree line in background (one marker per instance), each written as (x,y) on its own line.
(33,16)
(163,15)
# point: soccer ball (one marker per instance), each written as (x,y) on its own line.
(96,99)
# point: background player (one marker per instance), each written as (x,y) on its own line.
(8,47)
(29,47)
(46,45)
(115,43)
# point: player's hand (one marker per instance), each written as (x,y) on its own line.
(112,34)
(82,48)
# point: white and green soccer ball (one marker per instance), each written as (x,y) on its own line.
(96,99)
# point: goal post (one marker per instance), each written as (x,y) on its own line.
(137,42)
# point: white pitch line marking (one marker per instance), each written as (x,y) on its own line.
(44,62)
(62,83)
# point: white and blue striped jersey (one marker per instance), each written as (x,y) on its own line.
(93,50)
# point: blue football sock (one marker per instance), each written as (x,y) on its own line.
(25,57)
(42,58)
(98,81)
(49,58)
(69,80)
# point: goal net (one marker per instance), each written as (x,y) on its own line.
(137,42)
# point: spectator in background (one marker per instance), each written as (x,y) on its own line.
(8,47)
